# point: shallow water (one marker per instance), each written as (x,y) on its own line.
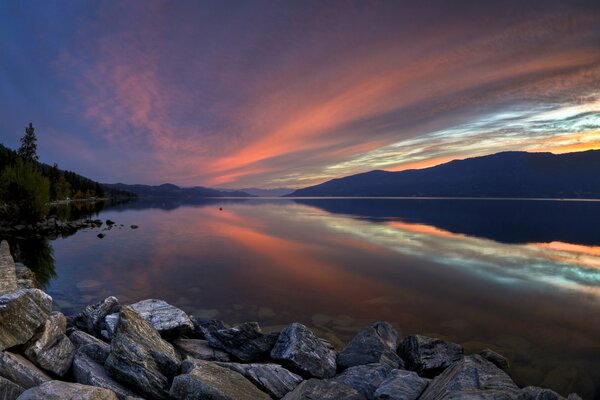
(521,277)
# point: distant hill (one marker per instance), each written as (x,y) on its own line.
(504,175)
(278,192)
(168,190)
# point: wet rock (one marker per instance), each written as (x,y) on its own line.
(58,390)
(9,390)
(134,226)
(140,357)
(272,379)
(26,278)
(365,379)
(401,385)
(299,350)
(202,327)
(50,348)
(428,356)
(94,348)
(537,393)
(497,359)
(88,372)
(101,235)
(374,344)
(22,312)
(472,377)
(21,371)
(316,389)
(204,380)
(246,342)
(199,349)
(8,274)
(91,319)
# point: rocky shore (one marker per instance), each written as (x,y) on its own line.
(50,227)
(153,350)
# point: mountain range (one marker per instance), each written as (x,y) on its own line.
(168,190)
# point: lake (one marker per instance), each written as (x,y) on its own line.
(520,277)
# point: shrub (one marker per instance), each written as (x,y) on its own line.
(24,191)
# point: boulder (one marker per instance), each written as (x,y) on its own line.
(9,390)
(245,342)
(202,327)
(270,378)
(299,350)
(21,371)
(8,274)
(88,372)
(50,348)
(428,356)
(26,278)
(401,385)
(91,319)
(497,359)
(87,344)
(140,357)
(205,380)
(537,393)
(472,377)
(58,390)
(199,349)
(22,312)
(365,379)
(374,344)
(316,389)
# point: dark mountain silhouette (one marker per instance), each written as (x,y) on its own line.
(168,190)
(504,175)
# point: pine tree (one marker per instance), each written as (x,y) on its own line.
(28,149)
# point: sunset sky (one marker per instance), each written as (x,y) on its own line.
(292,93)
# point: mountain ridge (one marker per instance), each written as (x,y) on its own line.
(169,190)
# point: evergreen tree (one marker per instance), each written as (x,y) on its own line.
(28,149)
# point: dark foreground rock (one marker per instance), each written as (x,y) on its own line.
(21,371)
(9,390)
(270,378)
(87,344)
(199,349)
(91,319)
(245,342)
(428,356)
(8,274)
(374,344)
(314,389)
(22,312)
(365,379)
(88,372)
(58,390)
(497,359)
(401,385)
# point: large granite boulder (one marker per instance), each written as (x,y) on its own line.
(316,389)
(91,319)
(88,372)
(199,349)
(401,385)
(22,312)
(9,390)
(58,390)
(270,378)
(21,371)
(26,278)
(374,344)
(140,357)
(365,379)
(495,358)
(472,377)
(8,274)
(205,380)
(428,356)
(89,345)
(245,342)
(299,350)
(50,348)
(203,327)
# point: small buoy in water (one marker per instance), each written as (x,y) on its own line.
(220,208)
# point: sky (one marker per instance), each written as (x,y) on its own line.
(292,93)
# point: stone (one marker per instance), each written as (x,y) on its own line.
(497,359)
(9,390)
(401,385)
(26,276)
(472,377)
(428,356)
(94,348)
(50,348)
(299,350)
(246,342)
(199,349)
(101,235)
(8,273)
(202,327)
(374,344)
(91,319)
(537,393)
(316,389)
(58,390)
(140,357)
(88,372)
(22,312)
(365,379)
(270,378)
(21,371)
(205,380)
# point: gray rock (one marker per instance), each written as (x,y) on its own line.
(497,359)
(140,357)
(49,348)
(202,327)
(199,349)
(401,385)
(428,356)
(8,274)
(472,377)
(299,350)
(205,380)
(246,342)
(537,393)
(110,323)
(22,312)
(374,344)
(91,319)
(21,371)
(58,390)
(9,390)
(365,379)
(270,378)
(26,278)
(88,372)
(94,348)
(316,389)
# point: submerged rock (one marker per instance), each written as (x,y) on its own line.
(316,389)
(88,372)
(8,274)
(374,344)
(199,349)
(22,312)
(365,379)
(21,371)
(401,385)
(9,390)
(497,359)
(246,342)
(91,319)
(428,356)
(299,350)
(270,378)
(58,390)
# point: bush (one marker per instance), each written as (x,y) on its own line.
(24,191)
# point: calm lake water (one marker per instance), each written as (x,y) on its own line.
(521,277)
